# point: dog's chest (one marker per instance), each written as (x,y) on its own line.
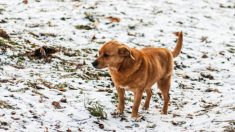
(125,87)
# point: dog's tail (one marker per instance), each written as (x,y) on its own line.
(178,47)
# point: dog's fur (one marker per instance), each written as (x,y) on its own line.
(137,70)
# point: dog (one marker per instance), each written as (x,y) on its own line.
(138,70)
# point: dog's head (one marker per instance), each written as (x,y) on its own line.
(112,55)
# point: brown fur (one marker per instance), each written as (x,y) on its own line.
(137,70)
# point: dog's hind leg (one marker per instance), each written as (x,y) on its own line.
(147,100)
(164,85)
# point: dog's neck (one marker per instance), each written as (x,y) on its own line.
(127,66)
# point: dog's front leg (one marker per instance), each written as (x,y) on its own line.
(121,100)
(137,100)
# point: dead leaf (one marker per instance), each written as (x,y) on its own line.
(204,56)
(84,27)
(48,34)
(114,19)
(13,113)
(204,38)
(212,90)
(209,106)
(93,38)
(25,1)
(56,105)
(33,34)
(4,34)
(105,90)
(89,16)
(15,118)
(63,100)
(178,123)
(43,52)
(128,126)
(101,126)
(3,21)
(4,123)
(62,89)
(206,75)
(79,66)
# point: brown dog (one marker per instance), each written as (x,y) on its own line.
(137,70)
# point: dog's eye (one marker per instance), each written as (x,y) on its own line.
(106,55)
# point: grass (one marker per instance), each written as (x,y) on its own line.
(20,90)
(8,43)
(231,50)
(35,89)
(61,86)
(83,27)
(4,104)
(89,16)
(96,109)
(2,42)
(114,98)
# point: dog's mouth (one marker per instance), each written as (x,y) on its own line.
(96,65)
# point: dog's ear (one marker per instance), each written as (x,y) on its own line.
(124,51)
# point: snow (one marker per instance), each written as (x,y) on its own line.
(208,28)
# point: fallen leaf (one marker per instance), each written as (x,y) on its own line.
(84,27)
(206,75)
(15,118)
(4,34)
(105,90)
(62,89)
(25,1)
(204,56)
(56,105)
(204,39)
(4,123)
(101,126)
(63,100)
(114,19)
(43,52)
(128,126)
(48,34)
(13,113)
(212,90)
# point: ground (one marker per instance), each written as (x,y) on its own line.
(41,90)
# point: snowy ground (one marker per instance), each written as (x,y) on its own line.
(203,89)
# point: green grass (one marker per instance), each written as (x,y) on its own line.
(83,27)
(96,109)
(4,104)
(4,42)
(231,50)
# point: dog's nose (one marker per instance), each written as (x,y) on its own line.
(95,63)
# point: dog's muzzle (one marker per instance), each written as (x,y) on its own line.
(95,63)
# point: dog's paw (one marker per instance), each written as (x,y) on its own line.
(117,113)
(145,108)
(137,119)
(163,113)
